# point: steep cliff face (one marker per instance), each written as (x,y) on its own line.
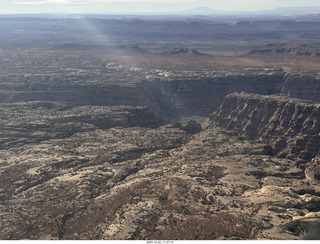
(290,125)
(202,95)
(169,94)
(301,85)
(164,92)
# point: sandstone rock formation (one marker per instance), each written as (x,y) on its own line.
(303,85)
(289,125)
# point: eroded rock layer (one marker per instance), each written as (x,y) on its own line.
(290,126)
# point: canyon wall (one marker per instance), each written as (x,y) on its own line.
(301,85)
(291,126)
(169,96)
(203,95)
(183,94)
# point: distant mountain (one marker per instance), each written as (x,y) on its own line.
(278,11)
(295,10)
(201,11)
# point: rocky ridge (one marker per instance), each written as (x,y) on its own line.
(186,51)
(290,126)
(280,48)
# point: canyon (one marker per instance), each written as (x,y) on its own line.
(154,141)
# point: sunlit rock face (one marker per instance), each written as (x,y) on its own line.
(289,125)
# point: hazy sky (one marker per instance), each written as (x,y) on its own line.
(133,6)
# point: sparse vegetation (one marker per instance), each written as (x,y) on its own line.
(110,133)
